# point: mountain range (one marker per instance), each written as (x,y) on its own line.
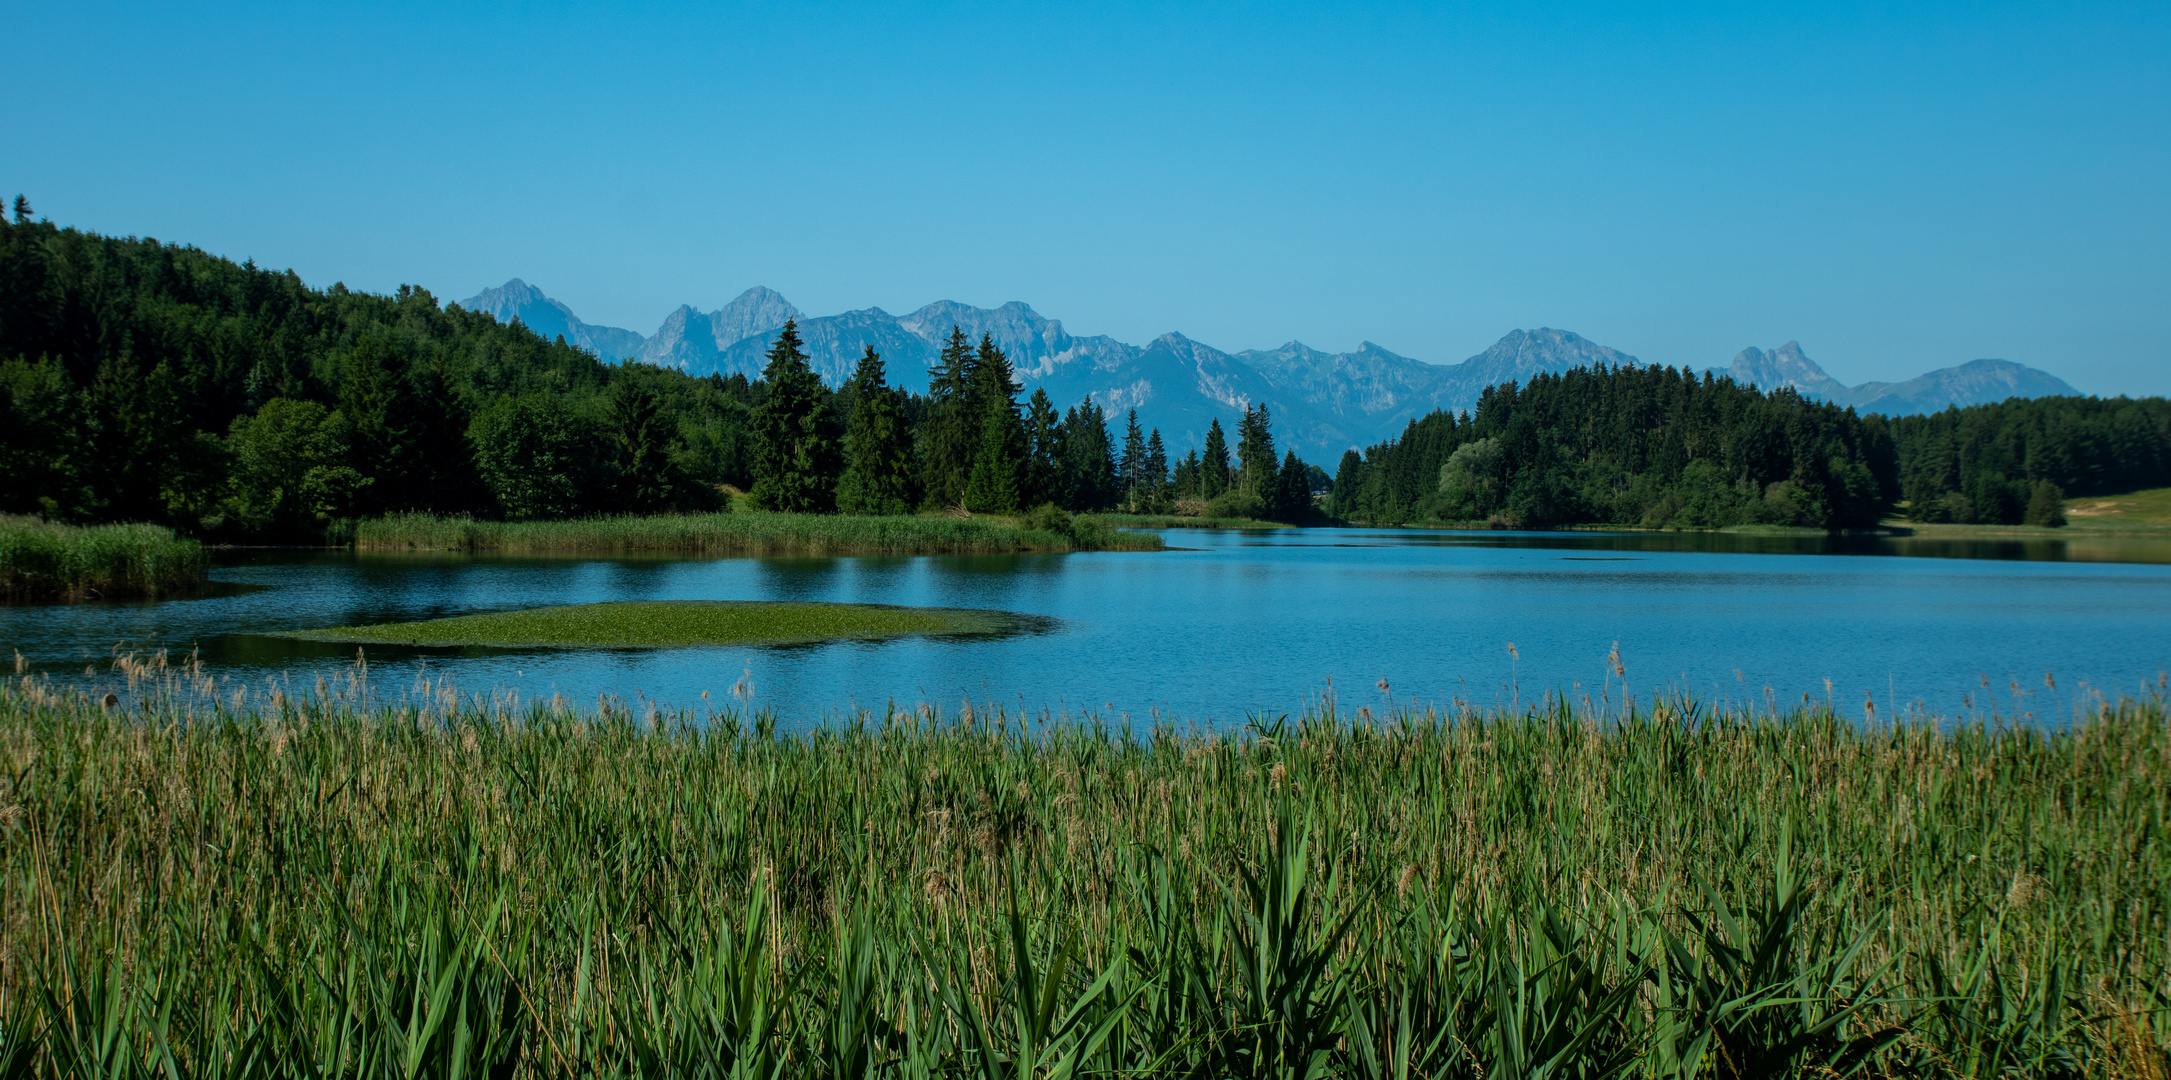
(1322,403)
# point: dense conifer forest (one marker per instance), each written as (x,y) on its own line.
(1997,464)
(1668,448)
(142,381)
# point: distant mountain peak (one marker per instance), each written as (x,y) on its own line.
(1783,368)
(1973,383)
(516,300)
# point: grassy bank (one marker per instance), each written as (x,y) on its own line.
(1180,521)
(43,561)
(2151,508)
(2140,514)
(283,883)
(637,624)
(754,533)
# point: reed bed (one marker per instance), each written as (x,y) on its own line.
(202,880)
(41,560)
(746,533)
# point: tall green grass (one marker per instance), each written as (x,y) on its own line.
(40,560)
(206,880)
(750,533)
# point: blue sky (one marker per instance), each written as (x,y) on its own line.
(1898,188)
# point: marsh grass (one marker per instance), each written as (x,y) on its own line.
(209,880)
(668,623)
(40,560)
(749,533)
(1181,521)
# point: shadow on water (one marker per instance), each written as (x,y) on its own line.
(2078,548)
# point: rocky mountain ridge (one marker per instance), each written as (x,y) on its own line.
(1323,403)
(1976,382)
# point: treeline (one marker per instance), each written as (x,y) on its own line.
(151,382)
(970,444)
(2015,462)
(1651,446)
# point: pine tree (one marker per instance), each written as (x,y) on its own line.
(1131,466)
(952,430)
(1348,480)
(1255,452)
(877,446)
(998,464)
(22,210)
(444,477)
(1214,463)
(792,457)
(380,408)
(1292,501)
(639,436)
(132,438)
(1186,480)
(2046,505)
(1156,473)
(1089,466)
(1044,469)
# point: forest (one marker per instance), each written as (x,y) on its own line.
(1995,464)
(1667,448)
(1651,446)
(143,381)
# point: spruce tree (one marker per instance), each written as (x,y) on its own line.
(444,477)
(952,430)
(1186,481)
(380,409)
(998,464)
(1348,479)
(1156,473)
(1292,491)
(1131,466)
(1089,466)
(1214,463)
(643,446)
(877,446)
(2046,506)
(793,467)
(1255,453)
(1044,469)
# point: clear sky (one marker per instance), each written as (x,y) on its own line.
(1900,187)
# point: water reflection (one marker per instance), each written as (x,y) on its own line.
(1248,622)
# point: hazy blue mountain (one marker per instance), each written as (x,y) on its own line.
(695,342)
(1783,367)
(516,299)
(833,345)
(1973,383)
(1523,353)
(758,311)
(684,341)
(1976,382)
(1323,403)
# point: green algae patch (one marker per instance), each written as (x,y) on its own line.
(663,624)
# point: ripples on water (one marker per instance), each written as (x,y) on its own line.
(1240,624)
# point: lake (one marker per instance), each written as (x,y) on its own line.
(1240,624)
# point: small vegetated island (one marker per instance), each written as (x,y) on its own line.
(648,624)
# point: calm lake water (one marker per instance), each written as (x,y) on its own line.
(1243,623)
